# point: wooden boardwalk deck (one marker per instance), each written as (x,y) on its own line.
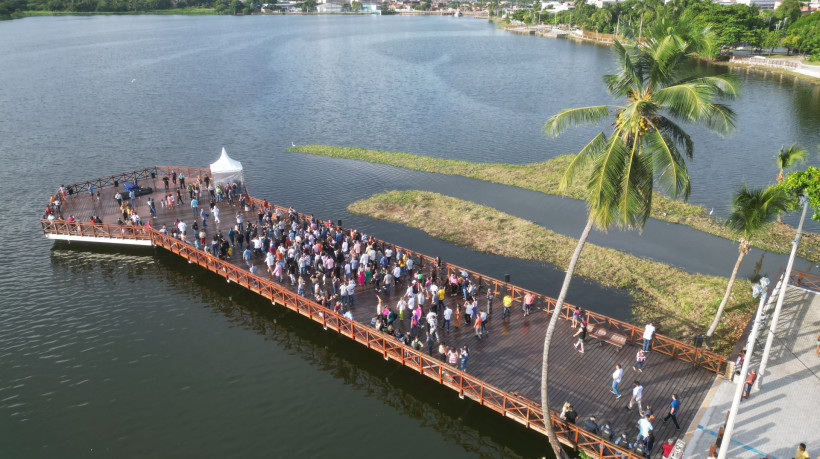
(509,358)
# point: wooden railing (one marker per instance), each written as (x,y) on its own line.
(805,280)
(696,356)
(522,410)
(95,230)
(136,176)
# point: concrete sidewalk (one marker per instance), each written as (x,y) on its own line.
(786,411)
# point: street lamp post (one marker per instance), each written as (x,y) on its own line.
(781,295)
(730,422)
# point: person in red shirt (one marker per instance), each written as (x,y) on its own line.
(667,448)
(750,381)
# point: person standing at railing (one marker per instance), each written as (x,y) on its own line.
(529,299)
(507,306)
(648,334)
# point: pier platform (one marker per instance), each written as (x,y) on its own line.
(504,370)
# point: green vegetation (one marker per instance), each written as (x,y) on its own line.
(731,24)
(545,177)
(808,182)
(682,303)
(21,8)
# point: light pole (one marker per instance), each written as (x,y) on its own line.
(730,423)
(781,295)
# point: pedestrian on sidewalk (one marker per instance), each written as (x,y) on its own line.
(616,379)
(750,381)
(637,396)
(640,358)
(648,334)
(674,407)
(818,344)
(801,452)
(581,334)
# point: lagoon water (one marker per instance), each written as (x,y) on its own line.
(130,353)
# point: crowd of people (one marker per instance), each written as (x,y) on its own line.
(334,267)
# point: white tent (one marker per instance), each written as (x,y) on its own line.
(227,171)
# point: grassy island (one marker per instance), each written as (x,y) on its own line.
(683,304)
(545,176)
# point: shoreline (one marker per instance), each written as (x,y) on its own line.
(763,69)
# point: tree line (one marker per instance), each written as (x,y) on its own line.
(732,25)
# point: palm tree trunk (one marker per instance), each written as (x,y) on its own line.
(713,327)
(556,446)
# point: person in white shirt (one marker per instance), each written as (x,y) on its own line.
(648,333)
(616,379)
(637,396)
(448,314)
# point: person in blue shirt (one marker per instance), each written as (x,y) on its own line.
(674,407)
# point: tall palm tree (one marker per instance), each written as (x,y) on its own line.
(786,158)
(751,210)
(646,147)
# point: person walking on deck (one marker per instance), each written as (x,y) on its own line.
(674,407)
(477,327)
(648,334)
(616,379)
(640,358)
(637,396)
(581,334)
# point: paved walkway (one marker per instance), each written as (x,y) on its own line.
(784,413)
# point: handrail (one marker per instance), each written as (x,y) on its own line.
(136,175)
(89,229)
(519,408)
(697,356)
(805,280)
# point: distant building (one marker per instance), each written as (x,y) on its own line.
(329,8)
(601,3)
(762,4)
(557,6)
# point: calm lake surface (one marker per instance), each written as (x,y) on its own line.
(131,353)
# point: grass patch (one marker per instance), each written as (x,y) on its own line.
(545,176)
(680,303)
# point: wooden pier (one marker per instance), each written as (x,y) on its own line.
(503,371)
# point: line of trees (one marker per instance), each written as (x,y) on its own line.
(732,25)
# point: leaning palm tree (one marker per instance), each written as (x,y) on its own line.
(751,210)
(786,158)
(645,149)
